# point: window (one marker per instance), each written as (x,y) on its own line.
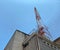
(24,45)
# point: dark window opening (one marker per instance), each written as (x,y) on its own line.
(24,45)
(47,43)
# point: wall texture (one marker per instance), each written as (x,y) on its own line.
(32,44)
(37,43)
(15,42)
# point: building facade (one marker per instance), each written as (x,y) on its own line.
(57,41)
(15,43)
(23,41)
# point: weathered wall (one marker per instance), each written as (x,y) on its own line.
(44,45)
(17,39)
(32,44)
(57,42)
(17,45)
(15,42)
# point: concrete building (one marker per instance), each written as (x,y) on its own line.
(23,41)
(57,41)
(15,43)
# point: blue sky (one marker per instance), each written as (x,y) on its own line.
(19,14)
